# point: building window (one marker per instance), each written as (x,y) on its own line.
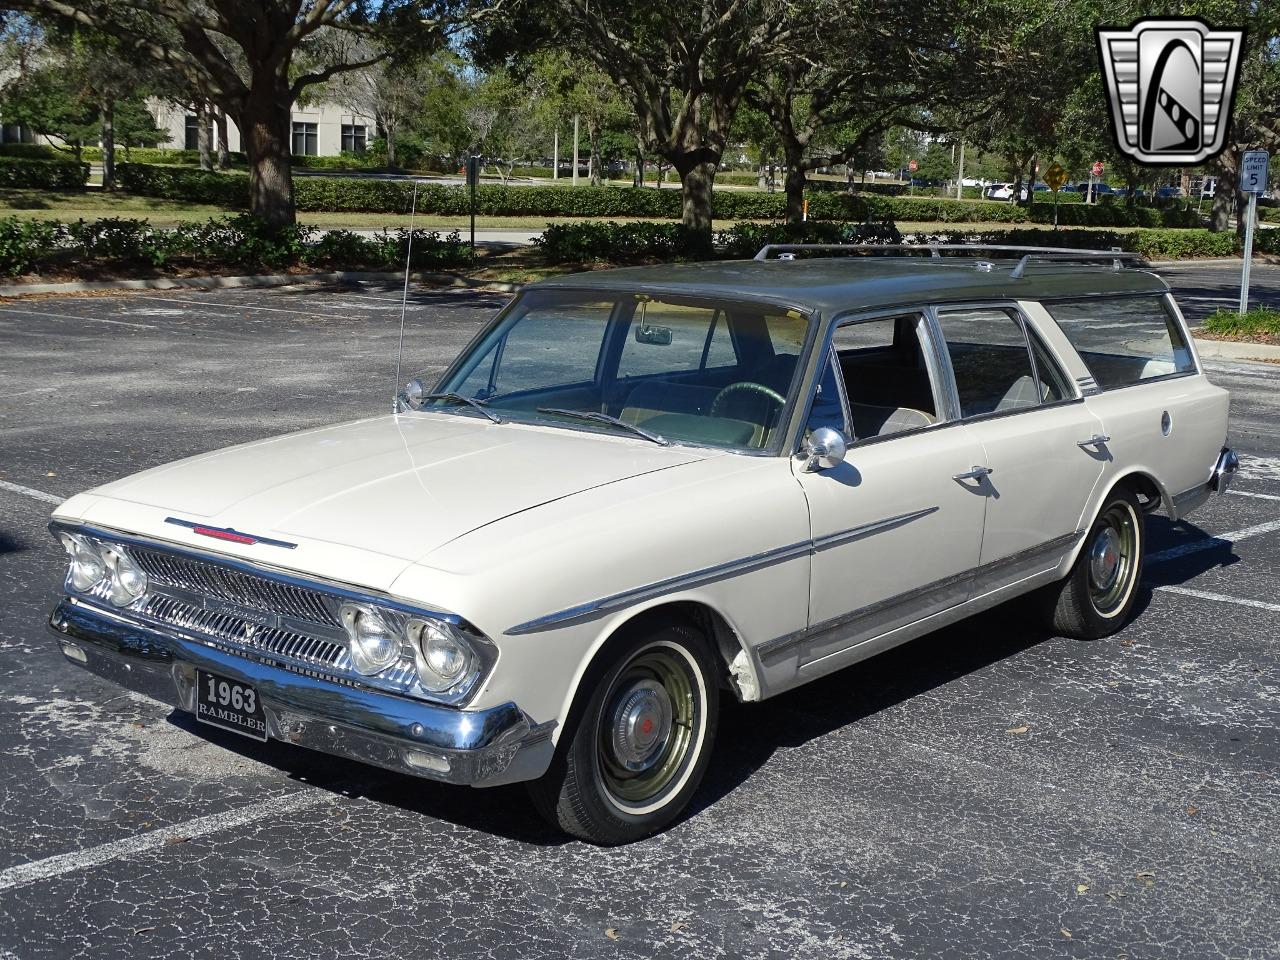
(305,140)
(353,138)
(192,133)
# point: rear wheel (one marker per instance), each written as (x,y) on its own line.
(1097,596)
(638,749)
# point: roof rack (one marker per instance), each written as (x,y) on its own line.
(787,251)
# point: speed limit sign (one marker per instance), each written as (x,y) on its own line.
(1097,168)
(913,166)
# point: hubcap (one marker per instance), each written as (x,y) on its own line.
(641,725)
(1113,559)
(1104,558)
(648,733)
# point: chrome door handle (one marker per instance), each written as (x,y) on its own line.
(977,473)
(1095,441)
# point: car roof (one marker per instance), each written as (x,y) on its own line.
(834,285)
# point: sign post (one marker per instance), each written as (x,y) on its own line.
(1253,181)
(1095,173)
(912,167)
(473,177)
(1055,177)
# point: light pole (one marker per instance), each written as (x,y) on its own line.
(575,149)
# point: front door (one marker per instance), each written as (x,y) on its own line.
(895,537)
(1039,461)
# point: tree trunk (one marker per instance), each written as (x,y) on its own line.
(203,123)
(1224,196)
(108,109)
(389,131)
(224,154)
(794,184)
(593,137)
(264,132)
(639,177)
(696,180)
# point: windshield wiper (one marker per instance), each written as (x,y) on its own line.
(612,421)
(469,401)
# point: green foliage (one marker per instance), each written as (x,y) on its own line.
(646,242)
(1257,322)
(24,243)
(33,151)
(1159,244)
(350,194)
(238,241)
(43,174)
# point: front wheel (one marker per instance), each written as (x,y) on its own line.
(1097,597)
(638,749)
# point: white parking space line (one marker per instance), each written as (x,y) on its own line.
(30,492)
(1250,493)
(1208,543)
(37,870)
(1220,598)
(239,308)
(72,316)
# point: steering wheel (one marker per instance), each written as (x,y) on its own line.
(746,386)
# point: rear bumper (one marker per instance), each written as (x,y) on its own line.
(475,747)
(1220,477)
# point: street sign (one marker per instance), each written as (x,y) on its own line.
(913,166)
(1097,168)
(1253,171)
(1055,176)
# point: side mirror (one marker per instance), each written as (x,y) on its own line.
(658,336)
(826,449)
(410,398)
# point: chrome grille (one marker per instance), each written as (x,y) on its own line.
(236,586)
(244,633)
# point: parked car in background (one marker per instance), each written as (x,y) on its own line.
(1169,193)
(638,491)
(1000,191)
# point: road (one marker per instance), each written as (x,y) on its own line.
(989,790)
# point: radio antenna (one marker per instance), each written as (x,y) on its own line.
(404,299)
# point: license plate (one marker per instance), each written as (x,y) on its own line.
(229,704)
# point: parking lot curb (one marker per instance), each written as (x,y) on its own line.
(269,280)
(1236,350)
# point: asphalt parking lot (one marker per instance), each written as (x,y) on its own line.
(987,791)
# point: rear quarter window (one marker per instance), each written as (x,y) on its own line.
(1125,340)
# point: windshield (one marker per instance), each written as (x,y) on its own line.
(681,369)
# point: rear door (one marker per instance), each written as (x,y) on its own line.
(1040,461)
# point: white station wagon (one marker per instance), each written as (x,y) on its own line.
(638,491)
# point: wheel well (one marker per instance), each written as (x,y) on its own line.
(736,672)
(1149,493)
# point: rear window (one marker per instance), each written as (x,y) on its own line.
(1124,340)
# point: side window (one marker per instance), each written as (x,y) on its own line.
(667,338)
(1124,340)
(885,376)
(827,411)
(991,359)
(1053,382)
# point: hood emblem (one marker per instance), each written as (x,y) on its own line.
(229,534)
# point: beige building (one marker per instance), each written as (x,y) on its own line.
(318,129)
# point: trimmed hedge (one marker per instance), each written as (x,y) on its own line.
(32,151)
(356,194)
(43,174)
(242,241)
(640,242)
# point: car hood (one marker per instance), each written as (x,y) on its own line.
(400,486)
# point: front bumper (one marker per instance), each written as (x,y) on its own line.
(475,747)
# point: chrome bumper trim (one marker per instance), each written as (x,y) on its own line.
(475,747)
(1225,470)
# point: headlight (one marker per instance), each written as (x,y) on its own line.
(375,645)
(88,569)
(444,658)
(128,582)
